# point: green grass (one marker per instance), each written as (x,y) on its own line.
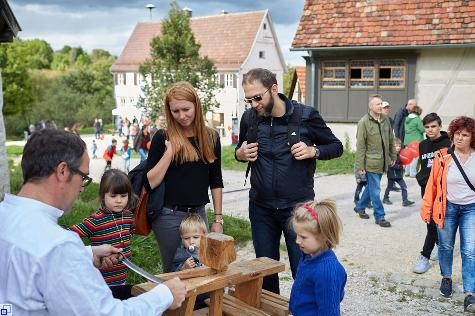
(341,165)
(90,129)
(228,161)
(14,150)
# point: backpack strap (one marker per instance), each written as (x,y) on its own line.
(251,135)
(464,175)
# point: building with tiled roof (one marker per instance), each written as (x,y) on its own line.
(235,42)
(401,49)
(297,85)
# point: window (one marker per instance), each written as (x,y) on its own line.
(262,54)
(136,75)
(116,79)
(392,73)
(228,80)
(333,74)
(362,74)
(264,26)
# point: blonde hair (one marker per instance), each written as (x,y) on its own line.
(416,109)
(205,137)
(193,223)
(327,227)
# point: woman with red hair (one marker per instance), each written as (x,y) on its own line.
(449,200)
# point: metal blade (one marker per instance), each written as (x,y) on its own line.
(142,272)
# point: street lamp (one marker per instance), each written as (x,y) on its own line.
(150,6)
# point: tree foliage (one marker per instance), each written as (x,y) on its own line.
(174,56)
(68,86)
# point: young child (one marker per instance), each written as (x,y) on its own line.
(191,230)
(360,184)
(126,153)
(112,223)
(319,285)
(94,149)
(396,175)
(109,153)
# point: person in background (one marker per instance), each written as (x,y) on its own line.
(46,269)
(395,174)
(319,286)
(387,111)
(126,154)
(94,149)
(414,131)
(374,153)
(360,185)
(435,139)
(109,153)
(400,117)
(449,200)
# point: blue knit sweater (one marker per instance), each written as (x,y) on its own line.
(319,286)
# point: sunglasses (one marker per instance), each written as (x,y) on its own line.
(86,180)
(256,98)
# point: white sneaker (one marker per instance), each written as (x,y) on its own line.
(422,265)
(434,255)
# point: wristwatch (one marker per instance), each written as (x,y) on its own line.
(220,220)
(317,152)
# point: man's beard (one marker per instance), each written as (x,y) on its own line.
(268,108)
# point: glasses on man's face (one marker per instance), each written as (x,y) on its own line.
(85,178)
(256,98)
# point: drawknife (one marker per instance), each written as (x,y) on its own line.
(139,270)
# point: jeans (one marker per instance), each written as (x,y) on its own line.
(463,217)
(267,226)
(390,186)
(127,165)
(166,230)
(372,193)
(143,154)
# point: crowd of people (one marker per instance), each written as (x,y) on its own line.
(48,270)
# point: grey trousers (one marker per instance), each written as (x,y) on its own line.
(166,230)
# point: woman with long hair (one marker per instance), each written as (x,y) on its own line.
(449,200)
(187,158)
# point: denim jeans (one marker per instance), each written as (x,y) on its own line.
(462,217)
(143,154)
(402,185)
(267,226)
(372,192)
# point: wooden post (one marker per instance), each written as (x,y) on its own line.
(217,251)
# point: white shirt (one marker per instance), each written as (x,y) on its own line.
(458,191)
(47,270)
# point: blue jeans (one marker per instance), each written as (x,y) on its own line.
(143,154)
(463,217)
(372,192)
(267,226)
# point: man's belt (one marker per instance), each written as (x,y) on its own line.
(185,209)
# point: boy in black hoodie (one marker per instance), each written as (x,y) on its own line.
(435,140)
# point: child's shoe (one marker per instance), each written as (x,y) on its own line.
(422,265)
(407,203)
(387,201)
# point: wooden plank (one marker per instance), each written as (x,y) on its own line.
(275,297)
(249,292)
(244,308)
(188,273)
(216,303)
(201,312)
(274,308)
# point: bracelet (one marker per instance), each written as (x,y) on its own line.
(221,214)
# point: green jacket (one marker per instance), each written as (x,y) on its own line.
(371,154)
(413,129)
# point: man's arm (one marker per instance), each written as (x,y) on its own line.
(322,136)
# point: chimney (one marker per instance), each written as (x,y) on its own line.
(188,11)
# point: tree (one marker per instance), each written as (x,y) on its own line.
(175,57)
(5,178)
(288,76)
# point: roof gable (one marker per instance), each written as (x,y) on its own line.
(382,23)
(226,39)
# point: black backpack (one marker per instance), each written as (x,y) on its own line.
(293,128)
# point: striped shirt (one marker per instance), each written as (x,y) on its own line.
(103,227)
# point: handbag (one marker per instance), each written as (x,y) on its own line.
(142,226)
(464,175)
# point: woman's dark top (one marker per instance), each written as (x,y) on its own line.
(187,184)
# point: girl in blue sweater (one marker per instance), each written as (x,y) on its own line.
(320,282)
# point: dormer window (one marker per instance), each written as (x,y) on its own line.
(264,26)
(262,54)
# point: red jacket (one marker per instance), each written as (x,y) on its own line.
(434,202)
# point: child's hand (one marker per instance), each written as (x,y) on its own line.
(189,263)
(358,180)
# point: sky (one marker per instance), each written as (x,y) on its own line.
(107,24)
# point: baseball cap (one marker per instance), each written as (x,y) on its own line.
(385,104)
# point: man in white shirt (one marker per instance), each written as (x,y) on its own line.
(47,270)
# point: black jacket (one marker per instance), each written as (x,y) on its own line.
(278,180)
(427,148)
(398,124)
(396,171)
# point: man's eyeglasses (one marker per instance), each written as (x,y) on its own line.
(256,98)
(86,180)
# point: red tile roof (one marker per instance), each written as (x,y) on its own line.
(300,72)
(225,38)
(385,22)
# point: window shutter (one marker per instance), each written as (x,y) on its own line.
(234,81)
(221,80)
